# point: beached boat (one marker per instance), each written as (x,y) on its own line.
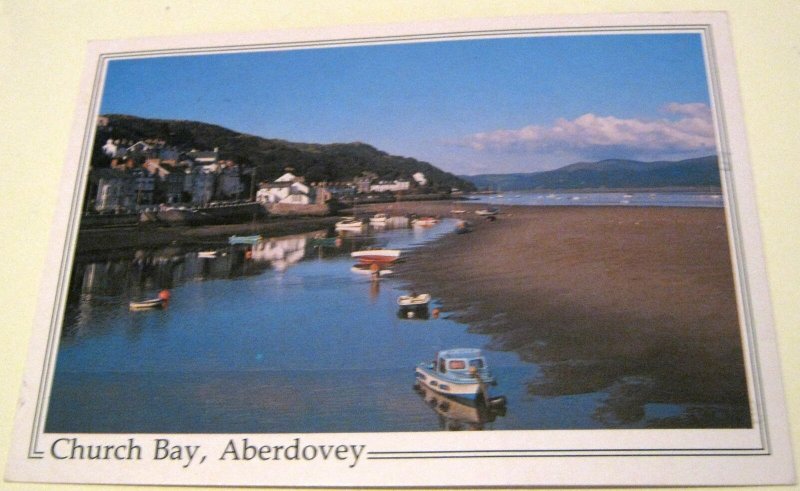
(244,239)
(457,211)
(349,223)
(207,254)
(461,373)
(485,212)
(369,256)
(463,226)
(379,219)
(425,222)
(153,303)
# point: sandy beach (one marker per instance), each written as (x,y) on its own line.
(637,302)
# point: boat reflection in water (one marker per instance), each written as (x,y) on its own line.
(459,414)
(281,253)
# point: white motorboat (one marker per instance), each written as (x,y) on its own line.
(349,223)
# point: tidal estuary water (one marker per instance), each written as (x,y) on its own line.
(283,337)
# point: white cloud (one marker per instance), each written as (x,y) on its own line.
(689,130)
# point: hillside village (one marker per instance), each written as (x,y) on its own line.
(151,173)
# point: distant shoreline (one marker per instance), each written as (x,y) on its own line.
(145,236)
(678,189)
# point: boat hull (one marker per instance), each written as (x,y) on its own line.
(244,239)
(156,303)
(376,256)
(468,389)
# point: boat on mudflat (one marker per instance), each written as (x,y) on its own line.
(486,212)
(463,227)
(460,373)
(376,255)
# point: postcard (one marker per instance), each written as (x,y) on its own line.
(506,252)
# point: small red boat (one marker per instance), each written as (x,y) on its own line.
(370,256)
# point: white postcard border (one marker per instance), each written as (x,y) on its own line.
(551,457)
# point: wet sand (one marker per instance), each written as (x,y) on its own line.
(633,301)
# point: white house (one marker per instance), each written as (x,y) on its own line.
(287,189)
(420,178)
(110,148)
(393,186)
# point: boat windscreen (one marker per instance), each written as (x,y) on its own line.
(477,363)
(456,364)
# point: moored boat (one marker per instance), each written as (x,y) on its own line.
(413,306)
(379,219)
(370,269)
(485,212)
(425,222)
(461,373)
(377,255)
(349,223)
(153,303)
(414,301)
(159,302)
(244,239)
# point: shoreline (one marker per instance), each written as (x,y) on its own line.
(636,302)
(92,240)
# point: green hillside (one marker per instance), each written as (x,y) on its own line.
(316,162)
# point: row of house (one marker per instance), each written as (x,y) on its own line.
(148,172)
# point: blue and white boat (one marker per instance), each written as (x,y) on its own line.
(244,239)
(460,373)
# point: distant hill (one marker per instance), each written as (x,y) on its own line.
(609,174)
(316,162)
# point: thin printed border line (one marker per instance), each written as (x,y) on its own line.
(544,455)
(520,450)
(342,42)
(726,172)
(704,29)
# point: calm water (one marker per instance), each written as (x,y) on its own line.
(285,338)
(704,200)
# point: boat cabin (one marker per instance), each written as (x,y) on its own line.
(463,361)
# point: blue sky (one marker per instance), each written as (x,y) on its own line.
(468,106)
